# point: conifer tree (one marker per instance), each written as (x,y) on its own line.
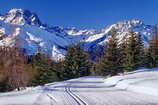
(58,67)
(133,52)
(152,52)
(68,66)
(81,62)
(140,51)
(76,63)
(109,64)
(44,73)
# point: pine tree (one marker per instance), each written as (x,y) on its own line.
(43,71)
(152,52)
(140,51)
(58,66)
(76,63)
(68,69)
(133,52)
(109,64)
(81,62)
(122,56)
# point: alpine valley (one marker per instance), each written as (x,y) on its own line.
(25,27)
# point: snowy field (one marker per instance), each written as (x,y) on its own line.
(135,88)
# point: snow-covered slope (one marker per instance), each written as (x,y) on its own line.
(25,28)
(20,16)
(135,88)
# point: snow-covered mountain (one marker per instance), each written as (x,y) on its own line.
(25,28)
(20,16)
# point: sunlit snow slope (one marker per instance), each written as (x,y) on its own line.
(25,28)
(136,88)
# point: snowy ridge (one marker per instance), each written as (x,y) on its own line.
(20,16)
(135,88)
(33,35)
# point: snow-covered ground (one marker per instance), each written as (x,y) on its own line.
(135,88)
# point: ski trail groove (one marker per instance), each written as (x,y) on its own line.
(76,98)
(66,89)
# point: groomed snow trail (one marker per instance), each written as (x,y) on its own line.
(139,88)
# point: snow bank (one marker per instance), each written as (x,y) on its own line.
(141,81)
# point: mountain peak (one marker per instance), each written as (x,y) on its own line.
(21,17)
(16,10)
(136,21)
(131,22)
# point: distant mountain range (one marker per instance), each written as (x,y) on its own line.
(26,28)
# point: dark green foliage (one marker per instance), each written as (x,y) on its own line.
(152,52)
(68,66)
(82,63)
(58,69)
(76,63)
(109,64)
(132,52)
(140,51)
(43,71)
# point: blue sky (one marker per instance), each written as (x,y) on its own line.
(87,13)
